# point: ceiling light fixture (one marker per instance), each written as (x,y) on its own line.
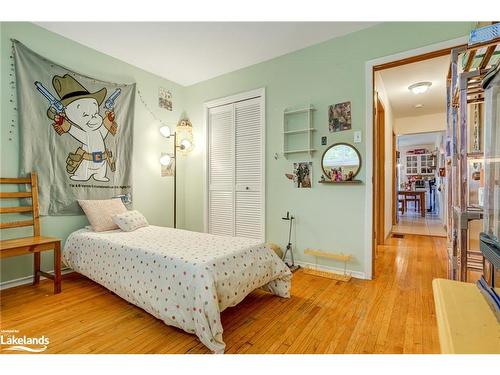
(419,106)
(420,87)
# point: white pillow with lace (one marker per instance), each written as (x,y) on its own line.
(100,212)
(130,220)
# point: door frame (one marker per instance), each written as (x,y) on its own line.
(394,179)
(379,169)
(238,97)
(371,66)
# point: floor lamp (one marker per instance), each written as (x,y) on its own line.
(166,160)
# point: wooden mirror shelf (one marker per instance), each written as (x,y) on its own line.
(341,182)
(341,163)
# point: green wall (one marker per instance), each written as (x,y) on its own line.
(329,217)
(152,193)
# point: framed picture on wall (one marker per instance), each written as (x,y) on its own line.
(302,174)
(164,99)
(339,117)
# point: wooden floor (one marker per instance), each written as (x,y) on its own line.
(411,222)
(392,314)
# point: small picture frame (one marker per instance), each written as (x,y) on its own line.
(302,174)
(164,99)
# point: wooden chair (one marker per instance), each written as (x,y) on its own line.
(401,204)
(416,202)
(29,245)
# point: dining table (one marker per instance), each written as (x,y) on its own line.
(413,193)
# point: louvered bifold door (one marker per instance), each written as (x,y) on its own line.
(221,170)
(249,169)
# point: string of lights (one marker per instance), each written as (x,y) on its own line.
(141,98)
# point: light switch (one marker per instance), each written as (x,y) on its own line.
(357,136)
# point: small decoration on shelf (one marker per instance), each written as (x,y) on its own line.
(164,99)
(337,175)
(339,117)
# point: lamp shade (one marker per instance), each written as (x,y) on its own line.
(185,144)
(165,159)
(165,131)
(184,131)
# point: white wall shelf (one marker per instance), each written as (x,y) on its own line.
(299,151)
(306,146)
(300,131)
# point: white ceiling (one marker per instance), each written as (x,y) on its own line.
(396,81)
(191,52)
(419,139)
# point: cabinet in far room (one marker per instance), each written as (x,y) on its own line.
(422,164)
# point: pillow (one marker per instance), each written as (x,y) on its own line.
(100,212)
(130,220)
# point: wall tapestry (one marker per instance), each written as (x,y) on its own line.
(76,132)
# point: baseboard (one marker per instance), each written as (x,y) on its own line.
(27,279)
(356,274)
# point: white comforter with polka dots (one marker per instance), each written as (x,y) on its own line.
(183,278)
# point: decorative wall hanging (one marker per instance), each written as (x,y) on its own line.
(339,117)
(76,132)
(184,131)
(164,99)
(302,174)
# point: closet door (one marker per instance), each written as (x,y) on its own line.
(221,170)
(249,169)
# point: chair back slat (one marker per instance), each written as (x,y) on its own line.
(17,224)
(15,180)
(34,200)
(16,209)
(32,180)
(15,194)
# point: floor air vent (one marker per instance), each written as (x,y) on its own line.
(396,235)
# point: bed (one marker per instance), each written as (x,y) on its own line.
(184,278)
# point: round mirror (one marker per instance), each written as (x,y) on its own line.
(341,162)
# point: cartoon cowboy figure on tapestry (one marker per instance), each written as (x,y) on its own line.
(77,113)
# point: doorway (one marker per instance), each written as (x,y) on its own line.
(396,123)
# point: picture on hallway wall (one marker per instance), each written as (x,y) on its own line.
(302,174)
(339,117)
